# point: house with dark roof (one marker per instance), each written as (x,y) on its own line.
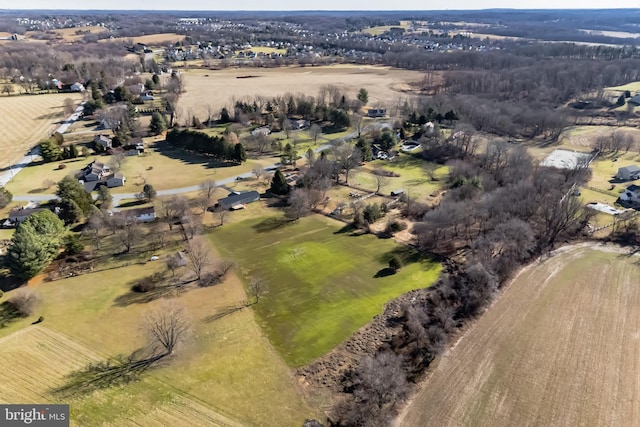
(628,173)
(631,195)
(237,200)
(103,140)
(377,112)
(17,216)
(95,171)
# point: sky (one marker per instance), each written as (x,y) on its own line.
(214,5)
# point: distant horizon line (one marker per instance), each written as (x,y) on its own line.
(3,10)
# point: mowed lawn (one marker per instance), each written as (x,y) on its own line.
(227,374)
(322,283)
(558,348)
(26,120)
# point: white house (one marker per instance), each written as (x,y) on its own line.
(264,130)
(77,87)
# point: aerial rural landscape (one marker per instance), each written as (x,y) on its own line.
(317,218)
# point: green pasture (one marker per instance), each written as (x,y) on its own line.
(323,283)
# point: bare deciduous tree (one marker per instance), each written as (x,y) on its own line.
(315,130)
(220,212)
(257,288)
(199,256)
(128,231)
(299,204)
(94,228)
(166,327)
(381,181)
(172,209)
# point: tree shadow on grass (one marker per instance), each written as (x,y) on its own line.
(223,312)
(160,291)
(115,371)
(270,224)
(132,203)
(384,272)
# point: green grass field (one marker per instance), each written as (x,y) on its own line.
(322,283)
(412,179)
(227,369)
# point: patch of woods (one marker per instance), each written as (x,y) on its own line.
(215,146)
(500,211)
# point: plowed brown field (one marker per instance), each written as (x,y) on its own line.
(561,347)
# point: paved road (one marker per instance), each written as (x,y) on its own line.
(118,197)
(33,155)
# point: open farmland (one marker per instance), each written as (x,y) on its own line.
(151,39)
(227,374)
(559,348)
(222,87)
(26,120)
(323,284)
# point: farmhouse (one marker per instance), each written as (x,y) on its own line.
(377,112)
(238,200)
(103,140)
(628,173)
(631,194)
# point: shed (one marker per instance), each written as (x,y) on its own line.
(397,192)
(628,173)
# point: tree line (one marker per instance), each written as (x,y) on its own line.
(500,211)
(215,146)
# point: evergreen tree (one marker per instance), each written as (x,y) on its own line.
(224,116)
(104,197)
(365,149)
(158,124)
(363,96)
(50,151)
(239,153)
(70,212)
(73,151)
(149,192)
(34,244)
(70,189)
(279,184)
(5,197)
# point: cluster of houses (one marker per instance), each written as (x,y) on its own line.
(62,87)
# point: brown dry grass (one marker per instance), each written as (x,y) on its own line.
(560,347)
(151,39)
(26,120)
(221,87)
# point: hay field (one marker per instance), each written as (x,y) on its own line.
(221,87)
(227,374)
(559,348)
(151,39)
(26,120)
(38,358)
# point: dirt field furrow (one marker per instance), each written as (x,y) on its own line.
(560,347)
